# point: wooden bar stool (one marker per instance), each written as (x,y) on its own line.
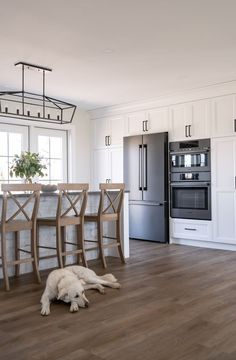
(69,212)
(110,206)
(22,218)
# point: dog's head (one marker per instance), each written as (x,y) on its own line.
(70,289)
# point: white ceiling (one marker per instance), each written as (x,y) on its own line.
(107,52)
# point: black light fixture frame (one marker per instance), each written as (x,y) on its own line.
(63,112)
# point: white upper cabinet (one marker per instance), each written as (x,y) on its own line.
(224,115)
(135,123)
(190,120)
(151,121)
(158,120)
(108,131)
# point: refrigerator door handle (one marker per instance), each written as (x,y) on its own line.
(140,167)
(145,167)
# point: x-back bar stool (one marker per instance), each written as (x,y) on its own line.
(110,206)
(22,218)
(71,205)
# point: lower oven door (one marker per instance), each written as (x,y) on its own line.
(190,200)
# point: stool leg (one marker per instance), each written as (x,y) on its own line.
(37,241)
(34,254)
(118,238)
(100,242)
(63,244)
(17,254)
(59,247)
(4,261)
(80,239)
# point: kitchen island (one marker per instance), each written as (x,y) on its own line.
(47,236)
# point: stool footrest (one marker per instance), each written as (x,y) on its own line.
(72,252)
(21,261)
(46,247)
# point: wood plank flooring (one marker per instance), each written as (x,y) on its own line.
(176,303)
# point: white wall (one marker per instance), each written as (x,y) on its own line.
(81,149)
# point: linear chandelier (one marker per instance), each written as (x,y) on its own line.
(36,107)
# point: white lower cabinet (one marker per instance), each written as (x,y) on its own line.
(191,229)
(224,189)
(107,166)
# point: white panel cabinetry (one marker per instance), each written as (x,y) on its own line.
(223,189)
(190,120)
(151,121)
(224,115)
(107,150)
(191,229)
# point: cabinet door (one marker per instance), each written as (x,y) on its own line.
(224,116)
(116,130)
(99,128)
(100,171)
(179,119)
(223,189)
(200,119)
(116,164)
(135,123)
(158,120)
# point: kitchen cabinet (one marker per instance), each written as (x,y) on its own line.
(107,166)
(151,121)
(107,131)
(157,120)
(190,120)
(224,116)
(223,189)
(191,229)
(136,123)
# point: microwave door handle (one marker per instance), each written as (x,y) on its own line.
(145,167)
(140,167)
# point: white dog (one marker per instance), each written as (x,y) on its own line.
(68,284)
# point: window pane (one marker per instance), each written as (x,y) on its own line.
(3,143)
(15,144)
(3,169)
(55,147)
(43,146)
(56,169)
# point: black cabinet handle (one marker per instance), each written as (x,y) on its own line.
(109,140)
(189,131)
(234,125)
(146,125)
(143,126)
(190,229)
(186,129)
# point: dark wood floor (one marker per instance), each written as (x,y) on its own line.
(176,303)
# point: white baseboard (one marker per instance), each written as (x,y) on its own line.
(203,244)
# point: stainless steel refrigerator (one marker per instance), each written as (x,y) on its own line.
(146,178)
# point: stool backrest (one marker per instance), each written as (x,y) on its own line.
(23,207)
(111,198)
(76,195)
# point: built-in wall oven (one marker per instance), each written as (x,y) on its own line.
(190,180)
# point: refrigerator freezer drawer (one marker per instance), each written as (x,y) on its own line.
(148,222)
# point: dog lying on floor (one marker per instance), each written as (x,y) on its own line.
(69,285)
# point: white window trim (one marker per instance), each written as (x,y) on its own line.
(71,138)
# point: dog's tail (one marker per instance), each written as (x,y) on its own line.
(108,277)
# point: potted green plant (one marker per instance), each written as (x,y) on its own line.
(27,166)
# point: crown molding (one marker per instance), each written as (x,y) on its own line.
(210,91)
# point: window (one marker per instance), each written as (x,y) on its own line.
(49,143)
(52,146)
(13,140)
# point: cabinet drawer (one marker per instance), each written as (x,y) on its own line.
(191,229)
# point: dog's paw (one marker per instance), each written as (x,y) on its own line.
(45,311)
(101,290)
(74,307)
(116,285)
